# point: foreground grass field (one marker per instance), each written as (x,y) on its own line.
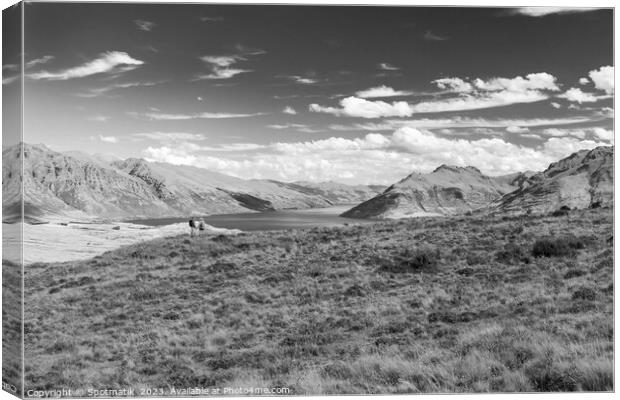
(468,304)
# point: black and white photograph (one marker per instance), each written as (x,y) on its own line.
(219,199)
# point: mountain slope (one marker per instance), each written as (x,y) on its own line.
(55,184)
(80,186)
(583,179)
(447,190)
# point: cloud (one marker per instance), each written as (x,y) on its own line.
(108,139)
(603,79)
(459,122)
(594,133)
(168,136)
(38,61)
(28,65)
(473,95)
(543,11)
(10,79)
(143,25)
(302,79)
(289,110)
(356,107)
(556,105)
(381,91)
(158,116)
(453,84)
(388,67)
(221,64)
(430,36)
(112,61)
(536,81)
(212,19)
(604,134)
(98,118)
(584,81)
(373,158)
(517,129)
(10,67)
(296,127)
(95,92)
(577,96)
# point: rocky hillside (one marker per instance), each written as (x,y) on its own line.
(448,190)
(78,186)
(581,180)
(60,185)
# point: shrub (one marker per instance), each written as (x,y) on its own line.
(573,273)
(557,247)
(559,213)
(512,253)
(423,259)
(584,293)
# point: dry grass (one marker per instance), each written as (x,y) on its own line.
(423,305)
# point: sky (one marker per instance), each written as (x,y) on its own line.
(359,95)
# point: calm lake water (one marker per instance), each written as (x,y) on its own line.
(272,220)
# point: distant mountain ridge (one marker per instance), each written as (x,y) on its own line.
(448,190)
(76,185)
(583,179)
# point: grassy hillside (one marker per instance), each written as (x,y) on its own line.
(423,305)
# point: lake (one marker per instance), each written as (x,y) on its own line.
(272,220)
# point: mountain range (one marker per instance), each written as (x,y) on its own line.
(79,186)
(583,179)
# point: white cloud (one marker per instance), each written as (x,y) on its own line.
(603,79)
(595,133)
(604,134)
(381,91)
(169,136)
(543,11)
(297,127)
(536,81)
(108,139)
(456,122)
(95,92)
(211,19)
(10,79)
(143,25)
(112,61)
(453,84)
(375,158)
(221,64)
(158,116)
(302,80)
(10,67)
(516,129)
(388,67)
(556,105)
(98,118)
(577,96)
(289,110)
(37,61)
(584,81)
(428,35)
(356,107)
(477,94)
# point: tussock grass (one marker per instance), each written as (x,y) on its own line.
(422,305)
